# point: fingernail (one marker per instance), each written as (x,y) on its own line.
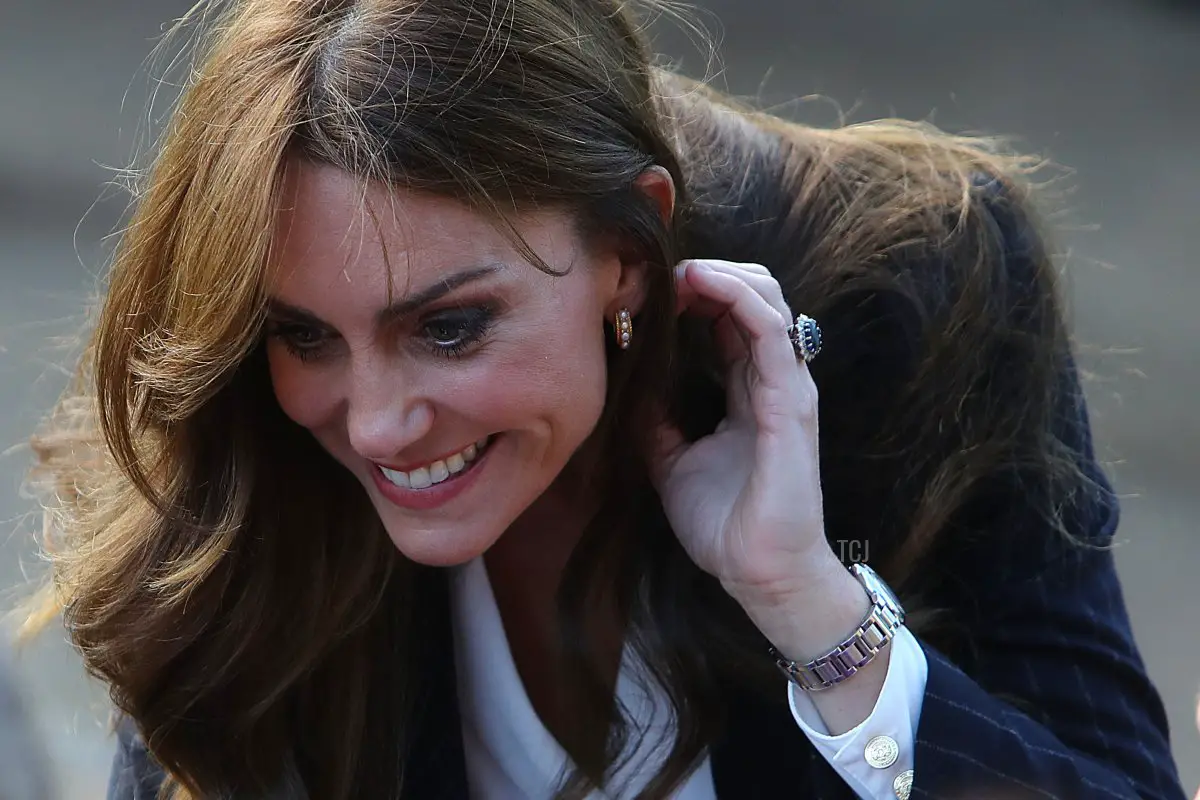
(681,270)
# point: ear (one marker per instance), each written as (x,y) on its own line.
(656,183)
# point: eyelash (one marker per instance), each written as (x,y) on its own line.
(290,332)
(472,323)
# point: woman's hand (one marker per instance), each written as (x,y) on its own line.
(745,501)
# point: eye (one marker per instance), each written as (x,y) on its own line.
(452,332)
(305,342)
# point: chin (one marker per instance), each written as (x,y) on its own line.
(443,547)
(452,521)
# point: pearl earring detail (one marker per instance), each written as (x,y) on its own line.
(624,326)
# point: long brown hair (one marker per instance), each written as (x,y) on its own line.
(229,581)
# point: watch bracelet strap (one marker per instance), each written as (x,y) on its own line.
(844,661)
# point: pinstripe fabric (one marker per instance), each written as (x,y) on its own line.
(1052,636)
(1049,696)
(1061,644)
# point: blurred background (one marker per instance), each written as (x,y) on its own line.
(1107,88)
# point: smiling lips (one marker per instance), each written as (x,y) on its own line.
(435,472)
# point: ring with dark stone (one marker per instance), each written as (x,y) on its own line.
(805,334)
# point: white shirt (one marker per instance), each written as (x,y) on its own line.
(511,756)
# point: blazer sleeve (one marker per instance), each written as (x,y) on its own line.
(1049,697)
(1057,702)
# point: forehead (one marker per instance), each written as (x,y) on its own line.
(332,227)
(335,232)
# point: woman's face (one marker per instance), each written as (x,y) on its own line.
(451,377)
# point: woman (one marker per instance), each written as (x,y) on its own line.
(448,429)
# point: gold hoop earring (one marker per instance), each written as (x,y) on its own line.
(624,328)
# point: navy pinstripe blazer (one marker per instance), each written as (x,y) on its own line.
(1043,695)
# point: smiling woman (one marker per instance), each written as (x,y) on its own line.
(504,359)
(450,428)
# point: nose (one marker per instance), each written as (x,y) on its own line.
(384,417)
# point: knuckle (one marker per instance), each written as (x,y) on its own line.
(807,399)
(770,289)
(747,289)
(771,313)
(806,410)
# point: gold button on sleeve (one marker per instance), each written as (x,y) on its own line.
(902,786)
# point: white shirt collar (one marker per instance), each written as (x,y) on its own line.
(509,753)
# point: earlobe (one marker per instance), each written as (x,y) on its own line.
(630,293)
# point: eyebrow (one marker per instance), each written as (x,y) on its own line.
(397,310)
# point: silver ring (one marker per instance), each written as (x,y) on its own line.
(805,334)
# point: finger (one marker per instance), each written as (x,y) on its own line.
(735,345)
(685,295)
(764,326)
(731,266)
(732,343)
(756,275)
(689,300)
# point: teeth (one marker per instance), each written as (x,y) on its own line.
(438,471)
(396,477)
(419,479)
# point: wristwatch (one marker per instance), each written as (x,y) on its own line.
(877,629)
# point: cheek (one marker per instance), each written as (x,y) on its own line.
(558,377)
(306,395)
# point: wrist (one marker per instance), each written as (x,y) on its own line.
(813,615)
(803,575)
(865,649)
